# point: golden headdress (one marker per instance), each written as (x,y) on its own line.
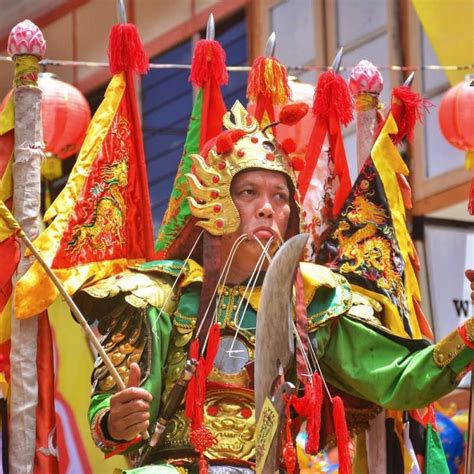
(243,147)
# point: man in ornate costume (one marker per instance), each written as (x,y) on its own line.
(243,194)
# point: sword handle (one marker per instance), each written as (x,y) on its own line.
(172,403)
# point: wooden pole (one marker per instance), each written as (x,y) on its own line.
(26,45)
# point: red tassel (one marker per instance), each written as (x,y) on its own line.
(407,109)
(291,114)
(288,145)
(342,436)
(200,436)
(208,64)
(203,466)
(309,407)
(332,95)
(125,51)
(268,78)
(212,347)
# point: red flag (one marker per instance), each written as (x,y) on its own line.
(332,108)
(101,221)
(46,458)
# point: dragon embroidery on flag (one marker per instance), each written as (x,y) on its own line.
(106,227)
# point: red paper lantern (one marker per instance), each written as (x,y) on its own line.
(456,116)
(66,115)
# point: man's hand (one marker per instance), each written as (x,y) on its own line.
(129,413)
(470,277)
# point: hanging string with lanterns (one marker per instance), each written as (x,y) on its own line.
(293,68)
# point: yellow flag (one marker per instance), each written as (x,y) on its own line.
(449,25)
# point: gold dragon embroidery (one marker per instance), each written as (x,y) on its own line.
(365,249)
(106,226)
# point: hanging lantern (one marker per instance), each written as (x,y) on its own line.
(456,117)
(66,116)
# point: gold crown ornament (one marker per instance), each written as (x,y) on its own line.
(210,182)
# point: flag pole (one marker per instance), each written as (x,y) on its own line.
(365,84)
(15,226)
(26,46)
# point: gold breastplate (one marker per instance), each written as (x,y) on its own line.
(229,413)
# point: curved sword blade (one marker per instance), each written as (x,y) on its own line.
(274,347)
(273,337)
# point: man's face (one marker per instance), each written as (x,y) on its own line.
(262,198)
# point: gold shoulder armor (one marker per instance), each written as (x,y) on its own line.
(137,289)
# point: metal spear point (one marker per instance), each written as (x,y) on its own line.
(409,80)
(121,12)
(271,45)
(211,28)
(336,64)
(274,347)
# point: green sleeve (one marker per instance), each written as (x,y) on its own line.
(370,365)
(160,330)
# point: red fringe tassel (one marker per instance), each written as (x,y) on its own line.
(342,436)
(332,95)
(407,109)
(208,64)
(200,436)
(268,78)
(309,407)
(126,51)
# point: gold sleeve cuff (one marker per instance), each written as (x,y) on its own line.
(448,349)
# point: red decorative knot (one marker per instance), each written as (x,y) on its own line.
(213,410)
(240,153)
(270,156)
(246,412)
(221,165)
(217,208)
(219,223)
(215,179)
(202,439)
(214,194)
(254,140)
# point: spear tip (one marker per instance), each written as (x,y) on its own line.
(271,45)
(211,28)
(336,64)
(409,80)
(121,13)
